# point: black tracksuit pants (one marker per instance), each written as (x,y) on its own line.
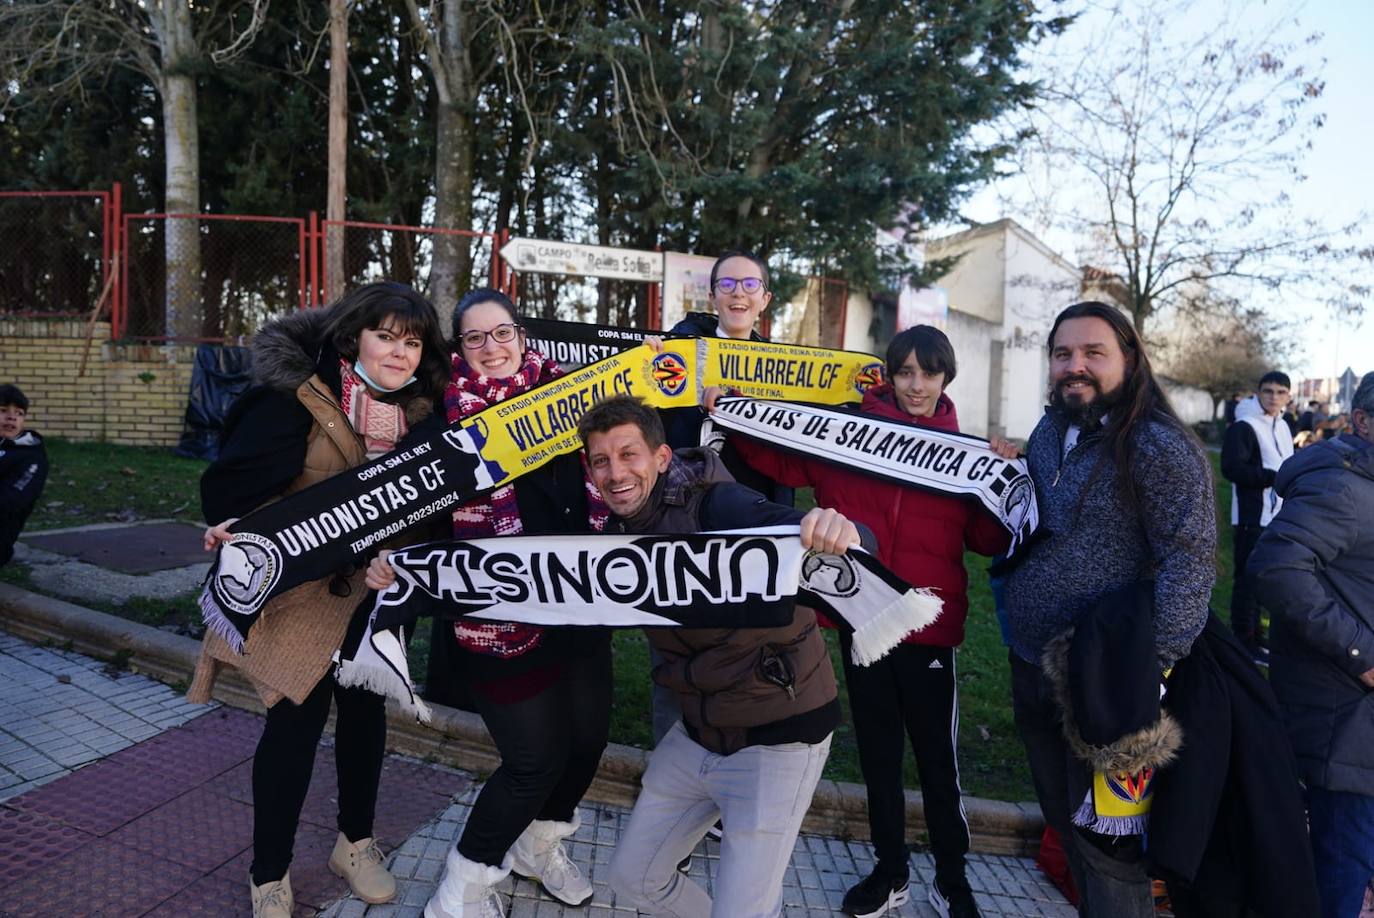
(912,692)
(286,757)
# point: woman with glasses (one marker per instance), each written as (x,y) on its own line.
(333,389)
(544,694)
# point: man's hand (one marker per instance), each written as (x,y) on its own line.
(709,396)
(1004,448)
(380,573)
(828,531)
(655,343)
(217,534)
(1367,677)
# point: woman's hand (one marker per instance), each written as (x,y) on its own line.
(655,343)
(217,534)
(828,531)
(1004,448)
(708,397)
(380,573)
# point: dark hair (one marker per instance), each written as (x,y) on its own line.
(1364,395)
(933,351)
(1142,400)
(622,409)
(739,253)
(1274,376)
(372,304)
(10,395)
(475,297)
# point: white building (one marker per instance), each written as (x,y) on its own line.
(1004,293)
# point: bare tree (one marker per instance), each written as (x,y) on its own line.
(337,181)
(1222,347)
(1177,162)
(56,47)
(451,32)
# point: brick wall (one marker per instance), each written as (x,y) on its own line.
(130,393)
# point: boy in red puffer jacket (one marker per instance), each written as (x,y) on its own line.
(921,538)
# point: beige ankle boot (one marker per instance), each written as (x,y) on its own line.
(272,900)
(360,863)
(538,854)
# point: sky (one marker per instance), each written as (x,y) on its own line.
(1340,186)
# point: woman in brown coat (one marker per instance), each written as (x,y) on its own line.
(333,388)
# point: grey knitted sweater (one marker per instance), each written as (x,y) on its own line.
(1099,546)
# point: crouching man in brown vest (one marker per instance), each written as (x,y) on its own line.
(759,704)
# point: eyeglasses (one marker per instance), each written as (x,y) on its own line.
(747,284)
(501,334)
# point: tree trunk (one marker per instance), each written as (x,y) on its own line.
(182,306)
(337,193)
(454,158)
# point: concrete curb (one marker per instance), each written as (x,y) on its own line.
(457,738)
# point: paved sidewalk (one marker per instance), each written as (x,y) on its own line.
(120,799)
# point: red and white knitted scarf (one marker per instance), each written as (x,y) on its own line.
(498,514)
(380,424)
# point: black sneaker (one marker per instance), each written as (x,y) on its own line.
(958,904)
(875,895)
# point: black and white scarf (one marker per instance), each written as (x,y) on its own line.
(920,457)
(734,579)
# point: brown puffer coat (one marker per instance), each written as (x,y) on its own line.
(291,647)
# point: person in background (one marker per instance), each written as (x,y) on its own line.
(333,389)
(1255,446)
(544,694)
(23,468)
(1307,421)
(1314,568)
(912,694)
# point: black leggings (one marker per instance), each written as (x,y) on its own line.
(286,757)
(550,748)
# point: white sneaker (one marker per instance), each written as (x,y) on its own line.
(538,854)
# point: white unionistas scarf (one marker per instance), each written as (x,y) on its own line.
(735,579)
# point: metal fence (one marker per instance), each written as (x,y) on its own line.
(203,277)
(378,251)
(56,251)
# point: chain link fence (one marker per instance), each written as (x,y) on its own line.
(209,277)
(379,251)
(54,252)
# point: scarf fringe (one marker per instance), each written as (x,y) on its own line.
(215,620)
(912,611)
(1116,826)
(381,680)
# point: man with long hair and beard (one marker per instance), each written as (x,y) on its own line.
(1125,498)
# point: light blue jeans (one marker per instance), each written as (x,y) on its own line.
(760,794)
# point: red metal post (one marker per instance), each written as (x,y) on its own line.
(118,248)
(316,241)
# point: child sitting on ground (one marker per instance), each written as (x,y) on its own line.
(23,468)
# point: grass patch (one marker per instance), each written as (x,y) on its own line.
(102,482)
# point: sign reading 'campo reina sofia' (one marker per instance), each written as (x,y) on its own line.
(539,256)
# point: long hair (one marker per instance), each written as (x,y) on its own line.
(1142,399)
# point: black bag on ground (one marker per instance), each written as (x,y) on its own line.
(221,374)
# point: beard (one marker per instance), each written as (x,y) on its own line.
(1087,413)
